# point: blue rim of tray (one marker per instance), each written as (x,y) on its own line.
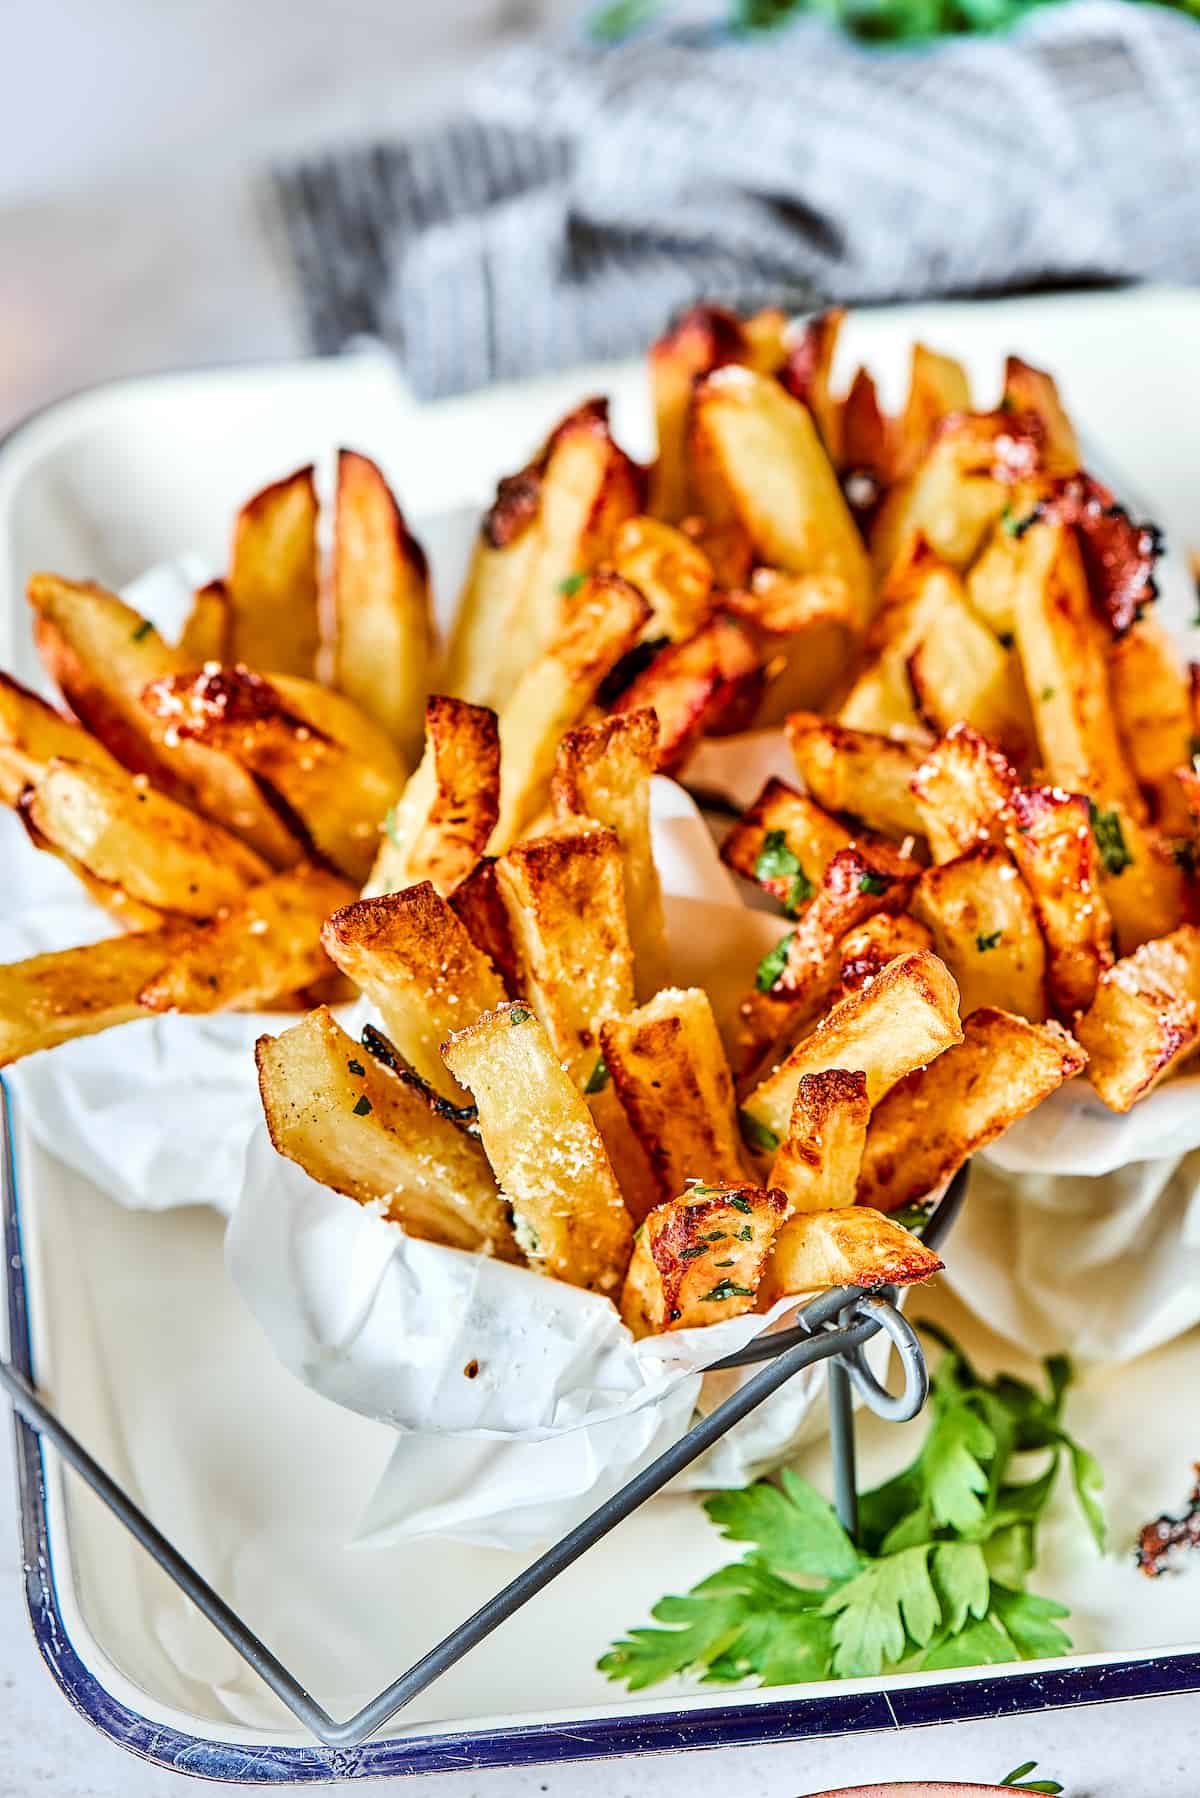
(904,1705)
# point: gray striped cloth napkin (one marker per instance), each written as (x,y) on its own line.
(587,192)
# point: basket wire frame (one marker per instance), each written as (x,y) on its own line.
(835,1327)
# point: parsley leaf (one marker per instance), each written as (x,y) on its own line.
(1018,1781)
(140,630)
(571,584)
(773,963)
(362,1106)
(1110,839)
(873,883)
(356,1067)
(519,1014)
(775,861)
(986,940)
(791,1524)
(599,1077)
(726,1289)
(875,1611)
(756,1135)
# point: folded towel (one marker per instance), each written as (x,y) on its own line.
(587,192)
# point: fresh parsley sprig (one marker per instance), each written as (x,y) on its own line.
(937,1579)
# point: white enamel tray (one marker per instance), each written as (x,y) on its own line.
(135,1335)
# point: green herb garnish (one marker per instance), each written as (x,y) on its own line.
(912,1217)
(726,1289)
(757,1136)
(737,1201)
(873,883)
(356,1067)
(773,963)
(571,585)
(1046,693)
(389,825)
(362,1106)
(140,630)
(937,1581)
(1008,522)
(519,1014)
(1110,839)
(775,861)
(984,942)
(599,1077)
(1018,1781)
(745,1234)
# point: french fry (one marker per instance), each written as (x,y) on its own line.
(383,635)
(817,1162)
(1145,1018)
(918,591)
(670,571)
(958,489)
(807,631)
(808,376)
(992,578)
(442,823)
(1050,840)
(33,734)
(103,655)
(411,956)
(868,451)
(782,828)
(961,790)
(568,1215)
(857,772)
(853,1246)
(985,929)
(669,1072)
(1151,698)
(702,339)
(1031,390)
(728,549)
(1061,644)
(961,672)
(265,945)
(501,564)
(756,457)
(603,771)
(1141,878)
(710,686)
(477,904)
(52,999)
(128,835)
(699,1257)
(937,388)
(555,691)
(324,786)
(867,949)
(926,1127)
(767,335)
(349,1123)
(565,897)
(128,912)
(906,1017)
(272,584)
(206,633)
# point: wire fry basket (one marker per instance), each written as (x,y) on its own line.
(834,1327)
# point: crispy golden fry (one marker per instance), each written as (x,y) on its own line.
(783,827)
(868,451)
(853,1246)
(961,790)
(565,896)
(919,590)
(670,570)
(807,632)
(501,564)
(354,1126)
(961,672)
(103,654)
(441,825)
(937,388)
(992,577)
(867,949)
(957,491)
(767,335)
(32,734)
(52,999)
(383,635)
(122,907)
(1144,1019)
(808,376)
(603,772)
(206,632)
(709,686)
(126,834)
(728,549)
(555,691)
(756,457)
(857,772)
(411,956)
(1143,883)
(1062,646)
(670,1074)
(272,584)
(568,1214)
(1152,702)
(1051,842)
(324,786)
(699,1258)
(817,1162)
(985,929)
(704,338)
(266,944)
(1031,390)
(924,1129)
(906,1017)
(477,904)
